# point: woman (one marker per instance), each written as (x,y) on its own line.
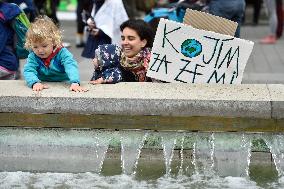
(103,23)
(128,63)
(271,37)
(82,5)
(48,7)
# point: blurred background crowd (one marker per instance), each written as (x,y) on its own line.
(272,10)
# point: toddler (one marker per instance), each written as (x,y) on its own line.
(48,59)
(106,65)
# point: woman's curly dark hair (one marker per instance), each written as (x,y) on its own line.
(143,29)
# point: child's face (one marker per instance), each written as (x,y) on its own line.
(43,49)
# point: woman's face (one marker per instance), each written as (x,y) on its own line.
(131,43)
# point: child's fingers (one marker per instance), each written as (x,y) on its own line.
(80,89)
(38,87)
(92,82)
(77,88)
(97,81)
(45,86)
(83,90)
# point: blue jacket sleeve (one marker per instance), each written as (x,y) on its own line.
(30,70)
(70,66)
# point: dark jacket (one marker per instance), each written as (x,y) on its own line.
(8,58)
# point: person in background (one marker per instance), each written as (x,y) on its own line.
(279,11)
(128,63)
(256,10)
(48,7)
(48,59)
(82,5)
(272,14)
(103,25)
(27,6)
(229,9)
(9,62)
(131,8)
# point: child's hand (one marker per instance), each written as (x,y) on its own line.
(96,63)
(101,81)
(77,88)
(39,87)
(97,81)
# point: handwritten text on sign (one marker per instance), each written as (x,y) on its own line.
(184,54)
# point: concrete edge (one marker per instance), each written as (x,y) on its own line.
(140,99)
(276,92)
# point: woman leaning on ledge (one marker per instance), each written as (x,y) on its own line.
(129,62)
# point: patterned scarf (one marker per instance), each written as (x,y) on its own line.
(138,65)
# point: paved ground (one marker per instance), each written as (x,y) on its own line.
(266,63)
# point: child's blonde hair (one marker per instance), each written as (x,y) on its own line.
(41,29)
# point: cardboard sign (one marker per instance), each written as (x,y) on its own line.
(209,22)
(184,54)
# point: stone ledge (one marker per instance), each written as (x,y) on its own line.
(277,100)
(160,99)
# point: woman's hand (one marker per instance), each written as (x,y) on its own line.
(77,88)
(39,87)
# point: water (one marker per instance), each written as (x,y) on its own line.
(203,151)
(275,143)
(30,180)
(168,143)
(131,144)
(58,158)
(233,156)
(49,150)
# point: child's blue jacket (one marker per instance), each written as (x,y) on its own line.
(62,67)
